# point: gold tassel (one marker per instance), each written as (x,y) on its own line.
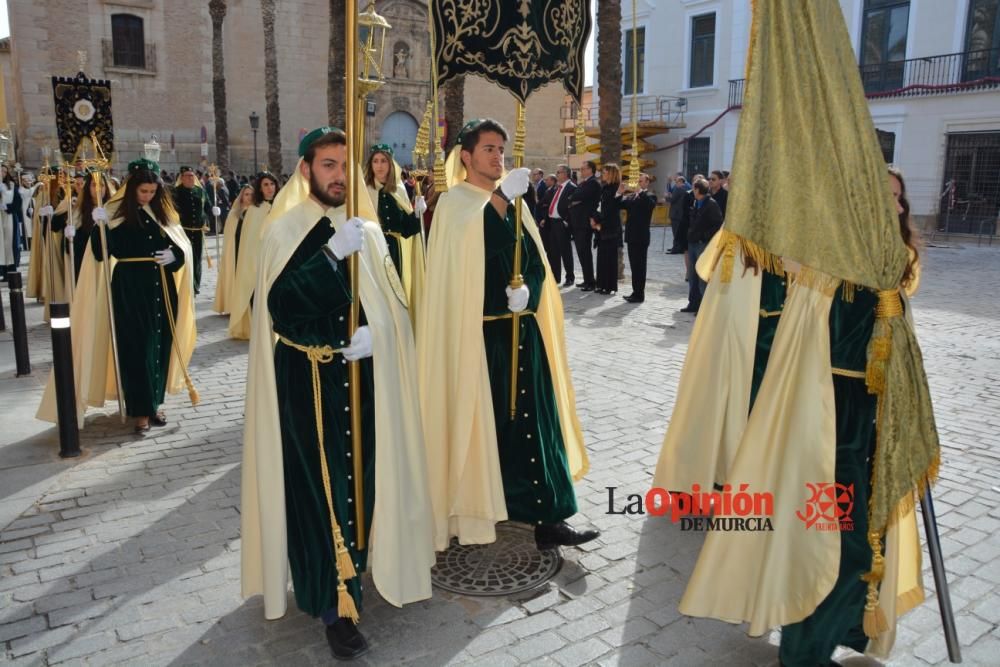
(193,394)
(874,622)
(345,566)
(880,347)
(345,603)
(208,257)
(728,256)
(847,291)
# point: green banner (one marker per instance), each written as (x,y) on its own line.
(520,45)
(83,107)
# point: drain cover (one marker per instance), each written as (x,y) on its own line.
(510,565)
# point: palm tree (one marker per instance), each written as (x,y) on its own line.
(272,108)
(335,65)
(217,9)
(454,109)
(609,79)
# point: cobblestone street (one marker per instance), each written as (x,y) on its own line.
(131,553)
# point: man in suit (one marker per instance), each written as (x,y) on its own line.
(706,220)
(557,221)
(583,207)
(677,194)
(639,206)
(721,196)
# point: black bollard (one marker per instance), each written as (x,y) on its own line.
(19,324)
(62,369)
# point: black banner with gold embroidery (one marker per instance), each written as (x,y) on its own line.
(83,107)
(520,45)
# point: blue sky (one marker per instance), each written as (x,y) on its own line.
(4,24)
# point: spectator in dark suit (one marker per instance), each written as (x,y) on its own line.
(608,225)
(582,209)
(706,220)
(639,205)
(678,194)
(557,220)
(721,196)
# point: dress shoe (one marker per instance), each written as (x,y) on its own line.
(689,309)
(600,290)
(584,287)
(159,419)
(568,282)
(632,298)
(552,535)
(345,640)
(675,252)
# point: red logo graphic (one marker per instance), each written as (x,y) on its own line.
(829,506)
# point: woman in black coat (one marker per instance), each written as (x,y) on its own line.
(609,230)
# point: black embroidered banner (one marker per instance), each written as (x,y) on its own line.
(520,45)
(83,107)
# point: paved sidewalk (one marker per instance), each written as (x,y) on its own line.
(130,554)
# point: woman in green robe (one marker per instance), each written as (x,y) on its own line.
(398,219)
(138,240)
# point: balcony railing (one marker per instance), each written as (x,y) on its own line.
(659,109)
(933,75)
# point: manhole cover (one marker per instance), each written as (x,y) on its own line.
(510,565)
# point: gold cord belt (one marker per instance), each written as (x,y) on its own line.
(848,373)
(192,392)
(324,354)
(194,229)
(507,316)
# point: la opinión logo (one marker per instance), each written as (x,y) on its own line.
(828,507)
(699,510)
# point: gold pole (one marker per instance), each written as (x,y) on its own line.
(106,251)
(633,167)
(71,270)
(354,369)
(213,173)
(440,177)
(516,279)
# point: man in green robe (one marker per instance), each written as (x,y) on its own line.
(191,202)
(528,452)
(312,500)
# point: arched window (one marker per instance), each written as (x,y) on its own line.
(127,41)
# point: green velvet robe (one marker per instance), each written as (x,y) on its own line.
(536,480)
(395,222)
(190,203)
(837,619)
(309,304)
(144,336)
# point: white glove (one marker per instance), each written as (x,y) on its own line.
(419,206)
(164,257)
(348,239)
(69,232)
(516,183)
(361,345)
(99,215)
(216,211)
(517,299)
(46,211)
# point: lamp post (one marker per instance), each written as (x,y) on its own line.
(254,125)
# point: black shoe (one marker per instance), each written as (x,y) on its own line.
(689,309)
(584,287)
(632,298)
(345,641)
(675,252)
(552,535)
(568,282)
(159,419)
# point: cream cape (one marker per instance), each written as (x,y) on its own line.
(227,271)
(36,263)
(245,278)
(93,368)
(401,552)
(411,251)
(457,408)
(771,579)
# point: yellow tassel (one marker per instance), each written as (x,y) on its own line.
(345,566)
(345,604)
(874,622)
(193,395)
(209,258)
(728,257)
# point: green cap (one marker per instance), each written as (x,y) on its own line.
(143,163)
(313,136)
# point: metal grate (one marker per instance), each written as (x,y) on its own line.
(970,197)
(512,564)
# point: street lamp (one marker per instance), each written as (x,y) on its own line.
(254,125)
(151,150)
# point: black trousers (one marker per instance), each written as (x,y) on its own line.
(558,248)
(583,237)
(680,230)
(637,266)
(607,264)
(197,239)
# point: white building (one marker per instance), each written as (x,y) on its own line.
(931,69)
